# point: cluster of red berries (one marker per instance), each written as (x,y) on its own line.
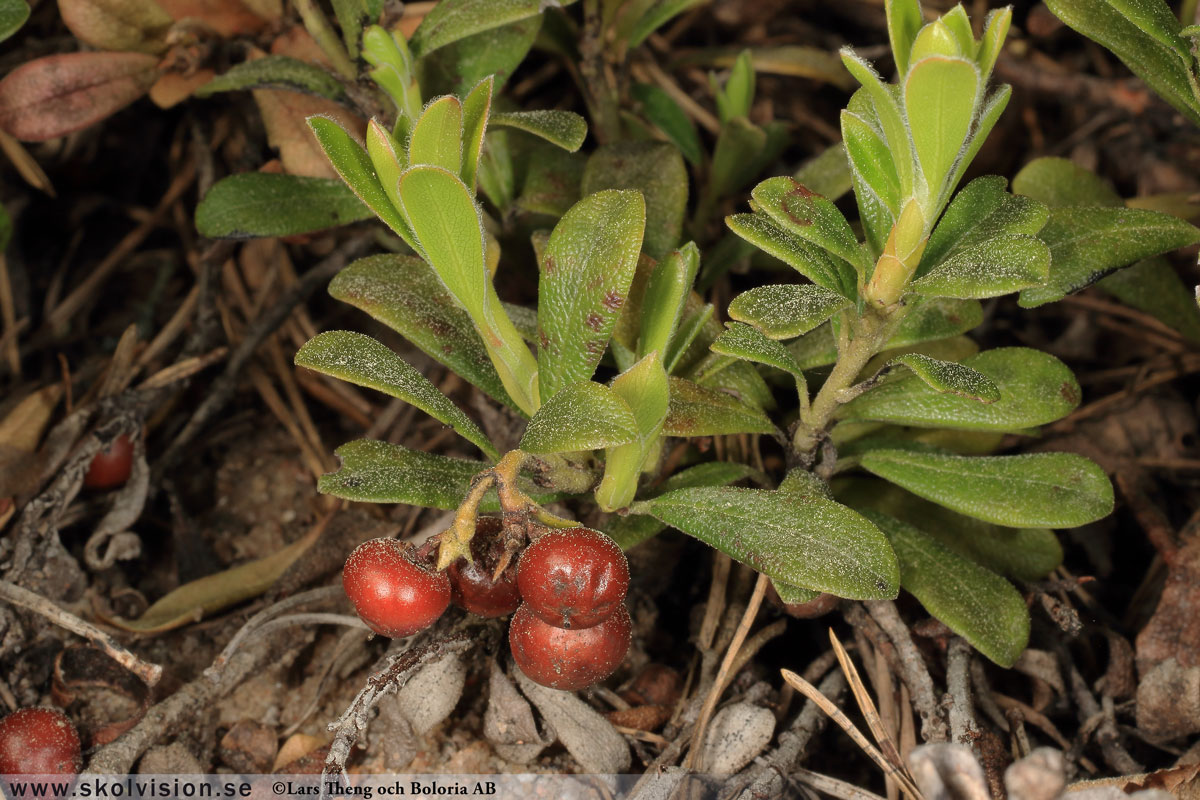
(567,589)
(39,741)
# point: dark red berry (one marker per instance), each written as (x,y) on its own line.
(110,468)
(568,659)
(471,584)
(573,578)
(39,741)
(392,593)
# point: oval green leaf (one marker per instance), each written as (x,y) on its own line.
(784,311)
(1053,490)
(700,411)
(583,416)
(563,128)
(801,212)
(276,72)
(436,139)
(801,539)
(803,256)
(363,361)
(991,268)
(1035,388)
(587,269)
(947,376)
(254,204)
(973,601)
(404,293)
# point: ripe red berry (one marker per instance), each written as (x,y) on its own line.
(573,578)
(110,468)
(392,593)
(471,585)
(568,659)
(39,741)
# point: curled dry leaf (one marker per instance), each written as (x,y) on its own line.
(173,87)
(138,25)
(56,95)
(80,672)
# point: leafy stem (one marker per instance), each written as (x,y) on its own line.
(867,336)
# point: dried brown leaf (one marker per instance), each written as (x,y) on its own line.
(228,18)
(173,88)
(194,600)
(56,95)
(138,25)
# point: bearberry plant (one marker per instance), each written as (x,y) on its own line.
(897,445)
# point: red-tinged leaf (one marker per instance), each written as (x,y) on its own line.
(60,94)
(228,18)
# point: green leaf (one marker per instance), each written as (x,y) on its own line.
(989,115)
(350,15)
(700,411)
(974,602)
(1059,182)
(386,156)
(664,113)
(13,14)
(994,267)
(1088,243)
(783,311)
(812,217)
(1054,490)
(476,108)
(666,294)
(404,293)
(354,165)
(364,361)
(1165,67)
(263,204)
(632,529)
(801,539)
(586,272)
(552,179)
(947,376)
(928,319)
(995,30)
(747,343)
(644,388)
(582,416)
(449,232)
(690,329)
(939,98)
(803,256)
(462,64)
(1035,388)
(891,121)
(1153,286)
(563,128)
(656,16)
(904,20)
(1023,554)
(436,139)
(381,472)
(871,160)
(495,174)
(276,72)
(735,159)
(980,212)
(657,171)
(452,20)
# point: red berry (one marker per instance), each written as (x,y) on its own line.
(110,468)
(39,741)
(573,578)
(568,659)
(391,592)
(471,584)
